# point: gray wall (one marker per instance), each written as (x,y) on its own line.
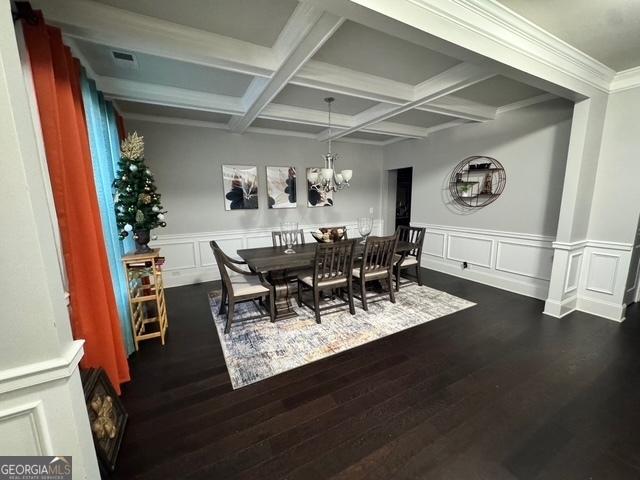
(616,201)
(532,145)
(187,164)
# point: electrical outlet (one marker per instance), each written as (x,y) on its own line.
(465,265)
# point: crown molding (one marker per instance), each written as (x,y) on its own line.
(625,80)
(488,28)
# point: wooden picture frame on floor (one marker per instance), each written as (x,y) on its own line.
(107,416)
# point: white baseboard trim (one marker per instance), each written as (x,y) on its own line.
(511,285)
(601,308)
(560,309)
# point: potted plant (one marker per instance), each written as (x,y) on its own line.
(465,189)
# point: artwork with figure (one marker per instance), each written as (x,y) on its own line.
(315,197)
(240,186)
(281,187)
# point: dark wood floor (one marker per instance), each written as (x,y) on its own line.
(498,391)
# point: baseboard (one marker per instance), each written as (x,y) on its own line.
(608,310)
(560,309)
(511,285)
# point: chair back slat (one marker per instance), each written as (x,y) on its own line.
(276,238)
(220,261)
(414,236)
(333,261)
(378,255)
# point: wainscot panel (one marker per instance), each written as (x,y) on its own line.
(518,262)
(189,258)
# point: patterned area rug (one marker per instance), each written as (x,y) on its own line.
(258,349)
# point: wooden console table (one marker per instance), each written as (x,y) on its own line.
(146,295)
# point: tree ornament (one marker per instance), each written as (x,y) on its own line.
(139,216)
(163,224)
(128,227)
(128,189)
(124,178)
(154,237)
(160,216)
(135,237)
(147,171)
(155,208)
(121,208)
(133,167)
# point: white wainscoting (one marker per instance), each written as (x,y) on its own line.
(604,279)
(188,257)
(518,262)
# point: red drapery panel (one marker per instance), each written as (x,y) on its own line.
(94,317)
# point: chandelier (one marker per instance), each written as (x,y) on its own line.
(327,179)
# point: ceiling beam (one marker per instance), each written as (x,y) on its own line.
(333,78)
(119,89)
(306,31)
(103,24)
(340,122)
(449,81)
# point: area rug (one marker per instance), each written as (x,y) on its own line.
(258,349)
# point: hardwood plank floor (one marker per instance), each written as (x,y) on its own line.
(497,391)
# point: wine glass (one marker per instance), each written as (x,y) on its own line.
(365,224)
(288,231)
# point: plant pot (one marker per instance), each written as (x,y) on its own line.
(142,238)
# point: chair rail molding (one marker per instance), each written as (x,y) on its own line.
(189,258)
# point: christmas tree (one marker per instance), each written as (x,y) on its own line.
(137,204)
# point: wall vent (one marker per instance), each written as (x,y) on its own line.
(124,59)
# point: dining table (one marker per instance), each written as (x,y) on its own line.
(280,266)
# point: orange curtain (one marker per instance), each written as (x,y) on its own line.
(94,317)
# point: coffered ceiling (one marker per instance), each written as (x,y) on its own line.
(266,66)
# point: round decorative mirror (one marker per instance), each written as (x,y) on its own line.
(477,181)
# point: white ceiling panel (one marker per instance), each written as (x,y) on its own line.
(420,118)
(164,111)
(314,99)
(498,91)
(164,71)
(361,48)
(375,137)
(295,127)
(255,21)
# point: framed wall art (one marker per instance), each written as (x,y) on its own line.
(281,187)
(240,186)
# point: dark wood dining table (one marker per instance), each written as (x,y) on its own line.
(280,266)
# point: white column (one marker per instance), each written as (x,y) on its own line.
(577,194)
(42,407)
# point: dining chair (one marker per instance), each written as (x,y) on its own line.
(245,287)
(413,257)
(376,265)
(276,238)
(332,266)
